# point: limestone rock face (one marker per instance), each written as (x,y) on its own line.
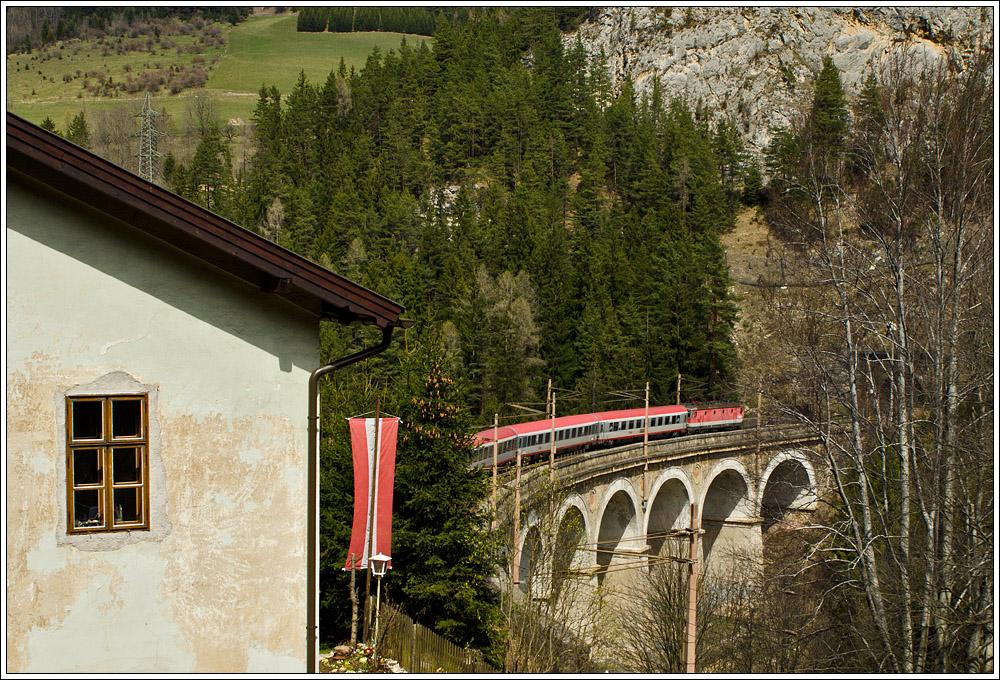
(757,65)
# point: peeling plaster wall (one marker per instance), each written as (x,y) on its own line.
(220,586)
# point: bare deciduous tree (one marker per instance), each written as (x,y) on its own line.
(890,341)
(555,616)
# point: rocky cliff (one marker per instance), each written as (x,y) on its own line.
(757,65)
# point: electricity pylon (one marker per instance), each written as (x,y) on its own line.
(147,140)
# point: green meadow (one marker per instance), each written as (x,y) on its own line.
(264,50)
(269,51)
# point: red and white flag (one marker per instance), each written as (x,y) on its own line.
(363,446)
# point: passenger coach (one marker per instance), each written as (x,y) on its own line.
(532,440)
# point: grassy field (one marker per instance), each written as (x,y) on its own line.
(262,50)
(51,82)
(268,50)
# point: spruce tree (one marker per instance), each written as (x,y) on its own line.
(441,557)
(829,114)
(78,132)
(209,171)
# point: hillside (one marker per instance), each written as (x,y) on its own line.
(71,76)
(757,65)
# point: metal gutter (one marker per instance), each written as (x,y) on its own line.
(312,527)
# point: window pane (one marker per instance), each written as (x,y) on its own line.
(88,420)
(87,467)
(87,508)
(126,418)
(128,505)
(126,465)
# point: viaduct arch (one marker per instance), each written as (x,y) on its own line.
(620,511)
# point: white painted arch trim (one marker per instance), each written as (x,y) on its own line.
(723,466)
(803,460)
(665,476)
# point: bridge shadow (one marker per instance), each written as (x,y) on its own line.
(727,499)
(670,510)
(618,531)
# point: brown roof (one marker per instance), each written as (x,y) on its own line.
(112,190)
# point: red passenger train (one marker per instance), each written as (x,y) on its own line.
(532,440)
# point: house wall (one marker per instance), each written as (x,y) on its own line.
(218,583)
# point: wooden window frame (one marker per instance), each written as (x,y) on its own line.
(106,446)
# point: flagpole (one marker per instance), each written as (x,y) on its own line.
(371,521)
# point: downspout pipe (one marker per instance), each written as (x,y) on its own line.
(312,526)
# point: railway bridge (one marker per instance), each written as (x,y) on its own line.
(607,515)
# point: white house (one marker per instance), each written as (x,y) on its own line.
(158,360)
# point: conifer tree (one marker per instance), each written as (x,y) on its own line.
(441,556)
(210,171)
(78,132)
(829,115)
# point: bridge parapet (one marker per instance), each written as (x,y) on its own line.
(587,466)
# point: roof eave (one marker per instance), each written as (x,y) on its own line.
(209,237)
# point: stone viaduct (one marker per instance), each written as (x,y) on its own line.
(606,515)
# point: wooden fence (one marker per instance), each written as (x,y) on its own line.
(420,650)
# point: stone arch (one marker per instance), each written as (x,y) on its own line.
(570,553)
(531,571)
(787,485)
(669,508)
(618,527)
(726,512)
